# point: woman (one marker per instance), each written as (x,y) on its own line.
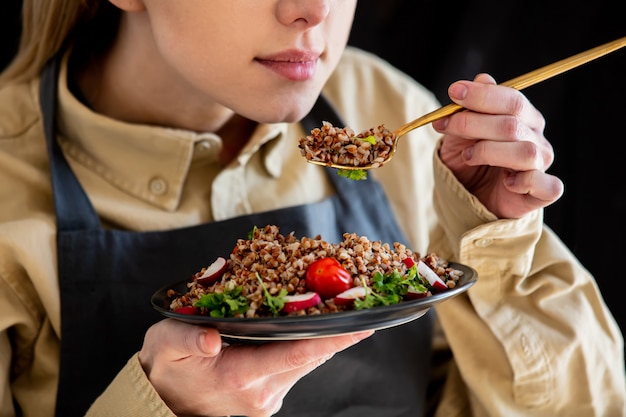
(140,138)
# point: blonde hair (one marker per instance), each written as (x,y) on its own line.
(50,25)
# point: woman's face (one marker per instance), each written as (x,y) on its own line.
(267,60)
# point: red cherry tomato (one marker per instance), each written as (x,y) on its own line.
(328,278)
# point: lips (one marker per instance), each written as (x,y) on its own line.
(294,65)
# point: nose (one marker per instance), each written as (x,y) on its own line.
(302,12)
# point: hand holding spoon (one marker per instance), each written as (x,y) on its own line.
(340,148)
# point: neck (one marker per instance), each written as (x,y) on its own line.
(129,82)
(123,85)
(235,134)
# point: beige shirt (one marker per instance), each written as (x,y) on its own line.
(532,337)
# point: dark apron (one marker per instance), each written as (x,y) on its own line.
(106,278)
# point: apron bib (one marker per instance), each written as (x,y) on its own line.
(107,277)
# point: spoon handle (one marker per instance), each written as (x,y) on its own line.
(523,81)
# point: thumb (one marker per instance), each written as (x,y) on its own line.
(180,340)
(201,341)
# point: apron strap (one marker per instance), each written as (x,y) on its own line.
(74,211)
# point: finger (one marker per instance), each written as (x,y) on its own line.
(472,125)
(301,355)
(272,369)
(516,155)
(544,188)
(489,98)
(265,403)
(485,78)
(177,340)
(292,374)
(269,403)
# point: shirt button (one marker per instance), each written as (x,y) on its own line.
(483,243)
(202,146)
(158,186)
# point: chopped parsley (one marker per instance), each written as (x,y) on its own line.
(390,288)
(227,304)
(353,174)
(251,233)
(357,174)
(274,302)
(371,139)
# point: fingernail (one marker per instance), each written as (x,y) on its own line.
(458,91)
(468,153)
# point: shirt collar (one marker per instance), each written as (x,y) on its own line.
(270,140)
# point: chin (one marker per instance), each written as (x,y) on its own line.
(283,112)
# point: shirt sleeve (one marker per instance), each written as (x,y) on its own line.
(131,395)
(533,336)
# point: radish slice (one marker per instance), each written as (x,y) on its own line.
(213,272)
(348,296)
(301,301)
(409,262)
(187,310)
(431,276)
(413,294)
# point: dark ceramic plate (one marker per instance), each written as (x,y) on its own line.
(306,327)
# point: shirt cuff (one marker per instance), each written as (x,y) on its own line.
(130,395)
